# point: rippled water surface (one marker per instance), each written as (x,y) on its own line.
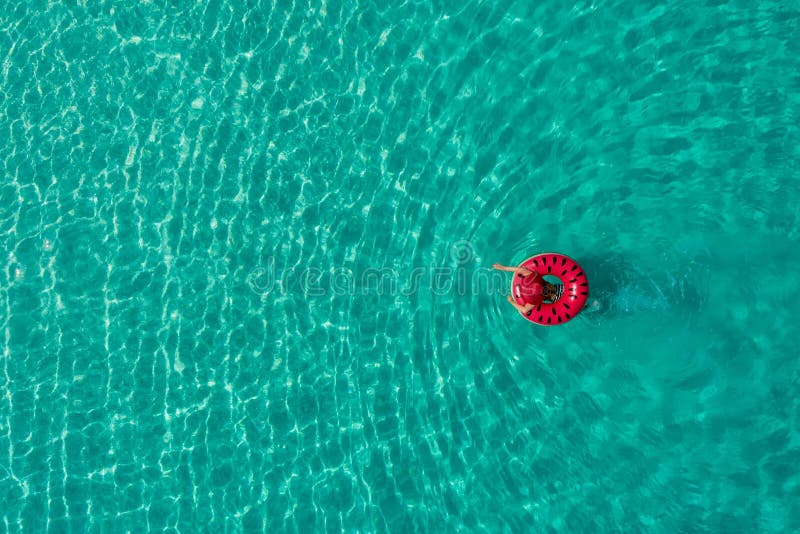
(247,245)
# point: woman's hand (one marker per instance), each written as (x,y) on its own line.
(514,303)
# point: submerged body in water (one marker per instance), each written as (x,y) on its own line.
(620,287)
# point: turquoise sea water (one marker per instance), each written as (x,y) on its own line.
(199,200)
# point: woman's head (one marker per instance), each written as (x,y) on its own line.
(549,292)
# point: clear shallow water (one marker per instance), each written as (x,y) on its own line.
(172,171)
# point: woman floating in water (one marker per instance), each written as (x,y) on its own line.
(533,287)
(543,302)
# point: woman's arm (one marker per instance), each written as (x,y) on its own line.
(522,270)
(520,308)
